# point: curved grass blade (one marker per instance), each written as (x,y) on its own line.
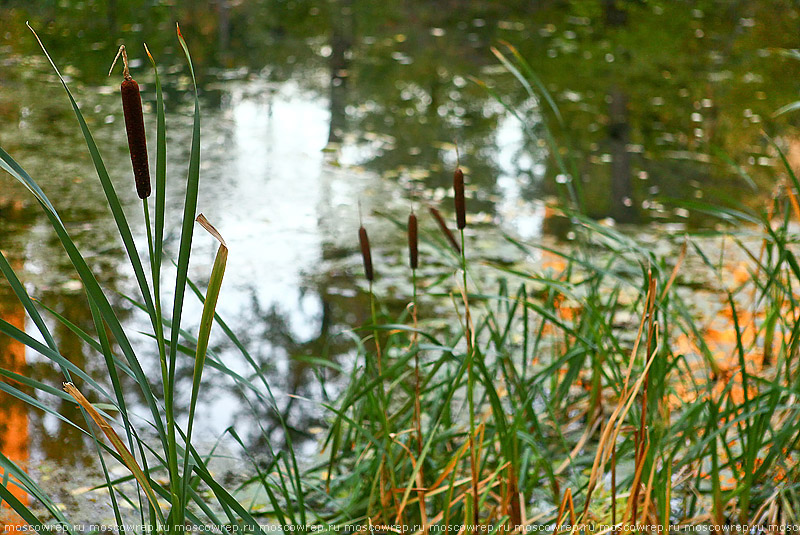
(262,477)
(111,365)
(87,338)
(127,457)
(274,404)
(524,82)
(14,169)
(793,106)
(223,496)
(526,67)
(40,495)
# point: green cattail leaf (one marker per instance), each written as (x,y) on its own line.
(184,251)
(161,182)
(206,322)
(24,481)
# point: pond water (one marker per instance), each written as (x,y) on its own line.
(309,109)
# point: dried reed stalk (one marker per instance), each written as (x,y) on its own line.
(627,396)
(124,453)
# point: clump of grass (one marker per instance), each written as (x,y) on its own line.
(567,390)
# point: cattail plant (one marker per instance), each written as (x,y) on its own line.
(413,260)
(387,472)
(134,125)
(369,273)
(366,257)
(461,223)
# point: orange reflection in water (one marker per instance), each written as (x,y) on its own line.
(14,435)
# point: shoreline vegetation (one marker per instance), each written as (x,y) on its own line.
(596,391)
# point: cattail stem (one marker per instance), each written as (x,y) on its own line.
(150,248)
(470,386)
(418,402)
(387,465)
(387,469)
(375,330)
(413,260)
(381,392)
(415,344)
(461,223)
(614,486)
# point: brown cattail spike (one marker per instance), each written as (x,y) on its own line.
(366,255)
(134,124)
(458,193)
(447,232)
(413,255)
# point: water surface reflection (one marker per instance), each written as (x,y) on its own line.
(308,108)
